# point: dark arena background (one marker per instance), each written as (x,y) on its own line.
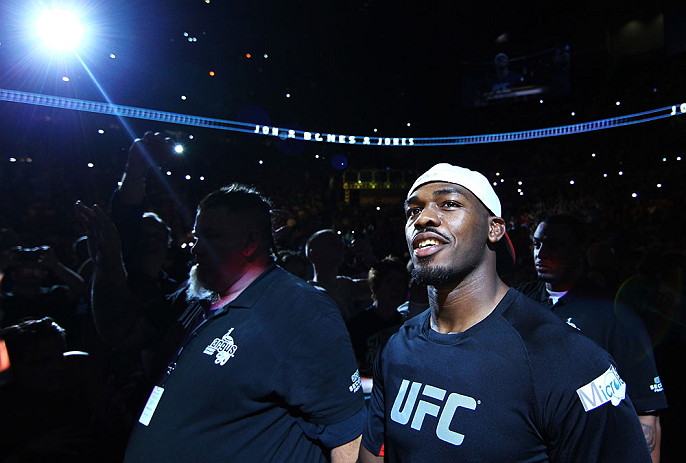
(332,109)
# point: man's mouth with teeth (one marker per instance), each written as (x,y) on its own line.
(427,243)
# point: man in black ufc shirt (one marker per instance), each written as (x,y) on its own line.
(486,374)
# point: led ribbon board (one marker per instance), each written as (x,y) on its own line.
(234,126)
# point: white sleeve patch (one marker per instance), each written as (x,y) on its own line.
(607,387)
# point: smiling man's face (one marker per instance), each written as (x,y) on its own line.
(447,231)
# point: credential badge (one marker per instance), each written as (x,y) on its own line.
(223,347)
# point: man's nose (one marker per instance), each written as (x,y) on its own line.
(543,250)
(429,217)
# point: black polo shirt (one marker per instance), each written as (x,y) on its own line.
(266,378)
(617,329)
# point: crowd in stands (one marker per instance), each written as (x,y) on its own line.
(638,251)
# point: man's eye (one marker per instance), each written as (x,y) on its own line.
(451,204)
(413,211)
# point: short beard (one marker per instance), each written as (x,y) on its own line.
(196,291)
(436,277)
(546,278)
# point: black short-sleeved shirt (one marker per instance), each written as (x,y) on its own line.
(255,380)
(615,328)
(503,390)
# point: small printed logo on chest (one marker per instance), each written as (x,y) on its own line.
(571,323)
(224,348)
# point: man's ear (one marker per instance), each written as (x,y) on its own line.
(253,238)
(496,229)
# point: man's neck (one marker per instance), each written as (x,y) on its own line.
(325,276)
(562,285)
(456,309)
(250,274)
(384,311)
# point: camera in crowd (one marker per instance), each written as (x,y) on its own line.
(29,254)
(26,264)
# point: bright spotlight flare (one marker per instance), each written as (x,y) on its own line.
(59,29)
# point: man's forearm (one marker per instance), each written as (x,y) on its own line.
(368,457)
(132,189)
(118,313)
(653,434)
(346,453)
(111,300)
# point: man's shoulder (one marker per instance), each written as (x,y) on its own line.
(590,300)
(533,289)
(524,309)
(286,288)
(560,359)
(543,333)
(409,331)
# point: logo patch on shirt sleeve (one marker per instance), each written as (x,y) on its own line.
(657,386)
(607,387)
(357,382)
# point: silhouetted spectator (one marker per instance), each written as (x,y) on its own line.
(602,265)
(134,362)
(31,296)
(293,262)
(53,406)
(325,250)
(388,281)
(417,300)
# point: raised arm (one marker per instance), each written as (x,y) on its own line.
(117,313)
(149,151)
(129,200)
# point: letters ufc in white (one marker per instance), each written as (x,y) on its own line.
(445,416)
